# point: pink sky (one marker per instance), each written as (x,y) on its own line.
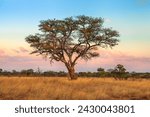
(19,58)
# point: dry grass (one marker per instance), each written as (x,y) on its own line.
(63,89)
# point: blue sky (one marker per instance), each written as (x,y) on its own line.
(19,18)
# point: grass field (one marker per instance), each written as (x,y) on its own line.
(14,88)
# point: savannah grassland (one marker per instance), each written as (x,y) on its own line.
(37,88)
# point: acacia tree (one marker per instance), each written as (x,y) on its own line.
(100,69)
(120,73)
(70,39)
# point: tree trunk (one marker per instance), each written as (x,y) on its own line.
(71,73)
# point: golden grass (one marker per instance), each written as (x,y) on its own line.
(81,89)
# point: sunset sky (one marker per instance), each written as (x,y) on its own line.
(19,18)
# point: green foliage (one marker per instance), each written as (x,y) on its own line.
(100,69)
(119,73)
(101,72)
(1,70)
(104,74)
(71,39)
(28,72)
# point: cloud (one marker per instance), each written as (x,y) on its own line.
(16,51)
(19,62)
(20,50)
(108,59)
(2,52)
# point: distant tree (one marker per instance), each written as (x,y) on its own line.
(50,73)
(6,73)
(23,72)
(70,39)
(89,74)
(28,72)
(1,70)
(100,69)
(61,74)
(82,74)
(39,71)
(14,72)
(120,72)
(101,72)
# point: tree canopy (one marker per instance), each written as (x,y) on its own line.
(120,73)
(72,38)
